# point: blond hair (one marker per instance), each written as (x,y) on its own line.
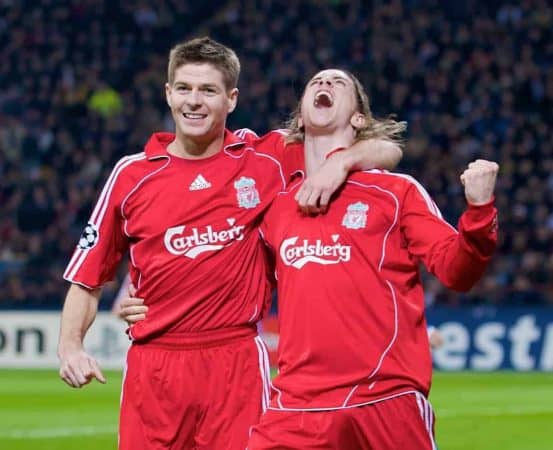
(388,128)
(205,50)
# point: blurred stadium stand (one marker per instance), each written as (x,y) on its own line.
(81,84)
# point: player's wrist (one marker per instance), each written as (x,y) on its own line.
(481,204)
(67,348)
(342,157)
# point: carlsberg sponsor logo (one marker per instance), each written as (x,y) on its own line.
(199,240)
(298,254)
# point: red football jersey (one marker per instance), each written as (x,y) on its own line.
(351,304)
(191,228)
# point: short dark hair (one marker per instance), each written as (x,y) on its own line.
(205,50)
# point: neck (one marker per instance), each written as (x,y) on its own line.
(192,147)
(316,148)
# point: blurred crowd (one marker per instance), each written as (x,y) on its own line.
(82,83)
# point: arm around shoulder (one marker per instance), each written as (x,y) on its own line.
(373,154)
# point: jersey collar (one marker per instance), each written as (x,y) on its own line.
(232,142)
(156,147)
(295,154)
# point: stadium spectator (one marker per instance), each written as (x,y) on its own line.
(105,101)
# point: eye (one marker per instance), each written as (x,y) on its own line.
(340,82)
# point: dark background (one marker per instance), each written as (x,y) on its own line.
(82,83)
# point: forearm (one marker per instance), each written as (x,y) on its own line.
(458,268)
(462,261)
(372,153)
(477,238)
(315,192)
(79,311)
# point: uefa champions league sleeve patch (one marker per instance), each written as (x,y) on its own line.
(89,238)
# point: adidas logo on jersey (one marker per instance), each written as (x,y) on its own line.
(199,183)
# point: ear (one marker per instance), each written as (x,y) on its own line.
(300,122)
(233,99)
(168,94)
(358,120)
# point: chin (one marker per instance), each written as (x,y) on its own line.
(199,130)
(322,120)
(321,124)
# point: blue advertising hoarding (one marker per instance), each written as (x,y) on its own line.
(486,338)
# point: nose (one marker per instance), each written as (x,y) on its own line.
(325,82)
(194,98)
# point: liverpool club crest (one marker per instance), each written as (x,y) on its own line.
(246,193)
(356,216)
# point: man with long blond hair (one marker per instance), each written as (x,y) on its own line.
(354,366)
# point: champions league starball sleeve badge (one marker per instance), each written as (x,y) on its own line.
(89,237)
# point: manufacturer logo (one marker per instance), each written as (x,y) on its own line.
(196,241)
(89,237)
(246,193)
(199,183)
(298,255)
(356,216)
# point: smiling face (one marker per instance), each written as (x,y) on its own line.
(200,102)
(329,101)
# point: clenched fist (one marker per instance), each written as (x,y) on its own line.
(479,181)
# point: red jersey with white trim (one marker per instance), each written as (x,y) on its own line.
(351,304)
(191,228)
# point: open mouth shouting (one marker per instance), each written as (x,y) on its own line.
(323,99)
